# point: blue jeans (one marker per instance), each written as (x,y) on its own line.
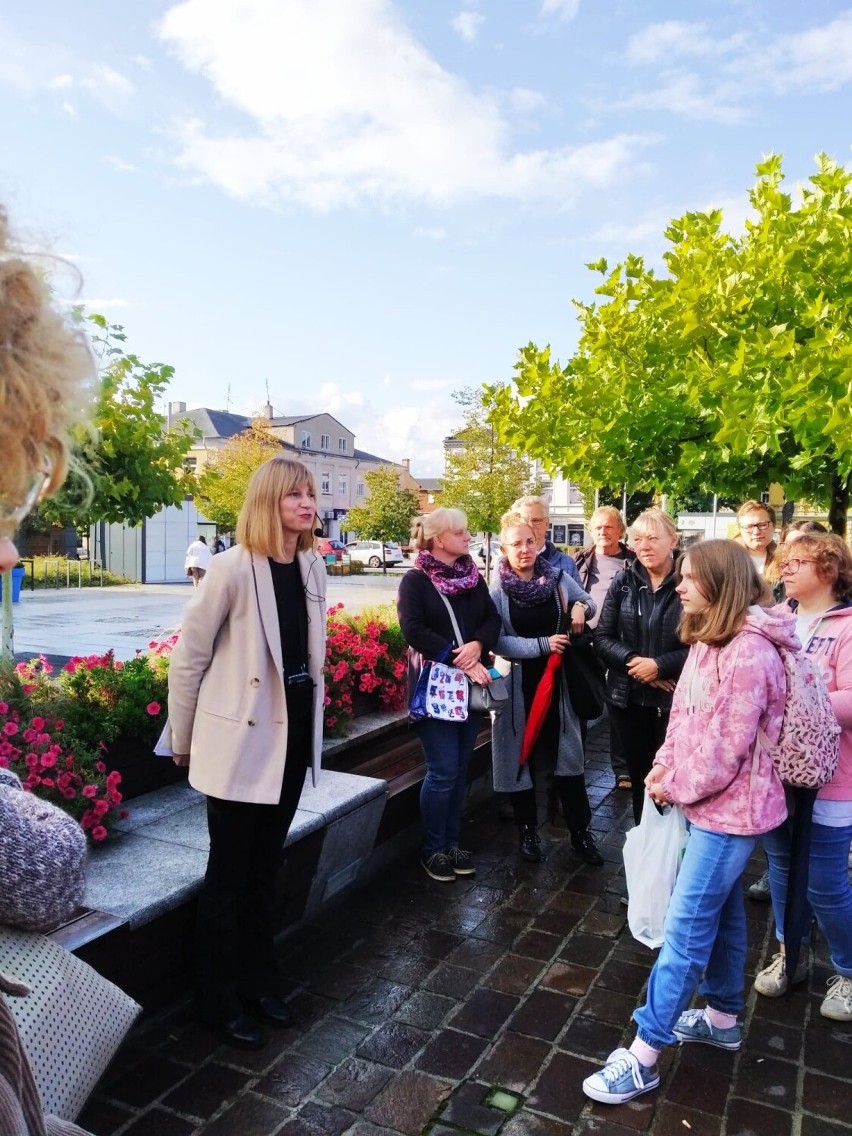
(447,746)
(705,934)
(829,890)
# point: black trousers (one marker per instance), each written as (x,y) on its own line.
(570,791)
(638,731)
(236,924)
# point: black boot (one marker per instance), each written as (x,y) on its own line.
(529,843)
(584,845)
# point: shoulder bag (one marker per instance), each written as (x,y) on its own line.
(483,699)
(584,672)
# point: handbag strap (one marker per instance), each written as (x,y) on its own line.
(453,620)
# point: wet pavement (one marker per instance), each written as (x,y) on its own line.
(479,1007)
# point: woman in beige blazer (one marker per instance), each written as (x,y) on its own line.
(246,706)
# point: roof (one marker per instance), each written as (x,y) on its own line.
(430,484)
(216,423)
(362,455)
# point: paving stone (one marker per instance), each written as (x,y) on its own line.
(527,1123)
(604,923)
(776,1040)
(353,1084)
(336,980)
(406,970)
(537,944)
(670,1118)
(586,950)
(592,1038)
(828,1045)
(514,1061)
(476,954)
(394,1044)
(434,944)
(559,1090)
(707,1092)
(156,1122)
(571,901)
(817,1126)
(745,1118)
(514,974)
(826,1096)
(568,978)
(408,1102)
(102,1117)
(454,981)
(332,1040)
(451,1054)
(466,1109)
(248,1113)
(532,898)
(206,1090)
(501,927)
(559,923)
(316,1120)
(293,1078)
(484,1012)
(147,1080)
(375,1003)
(460,920)
(767,1080)
(624,977)
(607,1006)
(543,1014)
(425,1010)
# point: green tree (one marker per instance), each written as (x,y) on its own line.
(728,372)
(387,512)
(222,484)
(131,464)
(483,473)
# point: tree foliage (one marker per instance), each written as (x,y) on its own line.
(132,464)
(223,483)
(387,513)
(484,474)
(731,371)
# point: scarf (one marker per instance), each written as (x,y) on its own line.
(450,579)
(528,593)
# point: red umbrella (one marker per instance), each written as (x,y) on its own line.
(540,706)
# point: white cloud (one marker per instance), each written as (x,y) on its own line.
(672,38)
(70,109)
(817,59)
(345,106)
(122,166)
(33,68)
(563,9)
(105,82)
(682,93)
(467,24)
(523,100)
(433,234)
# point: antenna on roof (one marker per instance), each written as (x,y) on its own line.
(268,399)
(228,400)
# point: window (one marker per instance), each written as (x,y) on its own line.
(306,439)
(341,485)
(190,464)
(359,489)
(325,483)
(325,442)
(342,445)
(559,534)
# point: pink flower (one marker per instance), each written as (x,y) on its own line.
(89,791)
(4,707)
(99,833)
(38,724)
(153,709)
(10,729)
(48,760)
(48,782)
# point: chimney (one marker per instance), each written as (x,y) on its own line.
(406,464)
(268,411)
(176,408)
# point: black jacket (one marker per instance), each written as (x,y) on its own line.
(637,621)
(425,620)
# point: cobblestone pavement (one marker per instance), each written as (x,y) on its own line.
(418,1001)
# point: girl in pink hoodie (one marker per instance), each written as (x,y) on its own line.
(817,574)
(732,686)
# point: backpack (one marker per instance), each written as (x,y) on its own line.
(806,753)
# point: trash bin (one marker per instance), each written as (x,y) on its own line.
(17,579)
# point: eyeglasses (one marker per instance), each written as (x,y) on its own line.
(517,545)
(12,516)
(758,526)
(536,520)
(794,564)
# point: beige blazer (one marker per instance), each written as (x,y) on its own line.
(227,706)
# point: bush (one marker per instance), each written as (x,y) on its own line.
(60,572)
(365,654)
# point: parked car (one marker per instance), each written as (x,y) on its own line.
(325,547)
(478,549)
(371,552)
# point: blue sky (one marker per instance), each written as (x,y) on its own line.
(368,204)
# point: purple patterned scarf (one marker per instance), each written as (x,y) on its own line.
(451,579)
(528,593)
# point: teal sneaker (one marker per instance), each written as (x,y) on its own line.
(693,1025)
(621,1079)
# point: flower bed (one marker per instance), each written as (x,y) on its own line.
(61,732)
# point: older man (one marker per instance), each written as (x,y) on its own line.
(756,523)
(598,565)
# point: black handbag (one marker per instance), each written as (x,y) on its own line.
(585,675)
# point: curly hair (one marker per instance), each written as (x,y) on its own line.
(831,556)
(47,373)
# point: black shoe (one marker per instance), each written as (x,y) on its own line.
(584,845)
(270,1009)
(529,843)
(241,1032)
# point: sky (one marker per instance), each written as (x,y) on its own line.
(361,206)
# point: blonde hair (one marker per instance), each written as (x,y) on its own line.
(512,520)
(47,376)
(655,522)
(612,513)
(425,528)
(259,523)
(725,575)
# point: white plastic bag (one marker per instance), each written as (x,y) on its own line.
(652,855)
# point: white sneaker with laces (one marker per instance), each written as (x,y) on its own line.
(837,1004)
(772,981)
(621,1079)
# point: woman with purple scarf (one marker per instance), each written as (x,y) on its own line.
(535,600)
(443,571)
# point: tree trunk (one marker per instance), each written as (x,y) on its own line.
(839,505)
(7,641)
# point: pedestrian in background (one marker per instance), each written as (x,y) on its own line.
(198,557)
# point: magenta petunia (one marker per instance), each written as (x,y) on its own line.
(153,709)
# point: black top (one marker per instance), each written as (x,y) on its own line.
(537,622)
(292,615)
(425,620)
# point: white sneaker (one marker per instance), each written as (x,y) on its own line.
(837,1004)
(772,982)
(621,1079)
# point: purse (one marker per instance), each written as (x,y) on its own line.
(483,698)
(441,692)
(584,673)
(71,1023)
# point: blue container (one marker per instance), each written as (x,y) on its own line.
(17,579)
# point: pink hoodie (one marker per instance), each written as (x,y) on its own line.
(724,694)
(830,647)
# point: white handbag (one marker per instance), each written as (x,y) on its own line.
(71,1023)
